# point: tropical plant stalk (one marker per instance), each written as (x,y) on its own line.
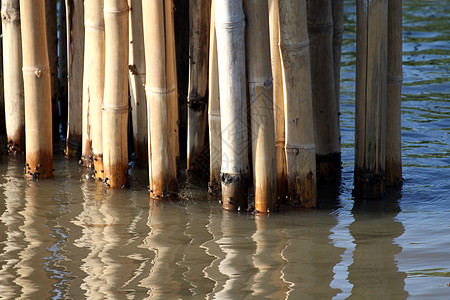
(230,26)
(295,60)
(37,88)
(12,77)
(115,101)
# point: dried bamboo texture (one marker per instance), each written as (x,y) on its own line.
(197,101)
(161,90)
(215,136)
(136,79)
(12,77)
(326,127)
(86,139)
(230,26)
(371,81)
(36,77)
(52,46)
(62,61)
(295,60)
(394,94)
(261,105)
(337,8)
(278,98)
(115,102)
(95,47)
(75,53)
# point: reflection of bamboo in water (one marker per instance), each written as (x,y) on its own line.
(270,243)
(165,279)
(374,272)
(311,257)
(33,268)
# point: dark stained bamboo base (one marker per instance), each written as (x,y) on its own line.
(369,185)
(329,167)
(235,191)
(39,165)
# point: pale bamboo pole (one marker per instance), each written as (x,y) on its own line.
(394,94)
(161,93)
(337,8)
(215,137)
(115,103)
(278,99)
(136,79)
(36,77)
(295,60)
(230,25)
(75,53)
(261,105)
(62,64)
(320,32)
(371,81)
(52,45)
(13,78)
(2,98)
(199,18)
(95,46)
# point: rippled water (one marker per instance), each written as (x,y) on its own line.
(69,237)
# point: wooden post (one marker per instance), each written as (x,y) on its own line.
(278,99)
(326,128)
(261,105)
(300,147)
(62,64)
(394,94)
(230,25)
(115,103)
(12,76)
(371,81)
(52,45)
(337,10)
(75,53)
(95,46)
(161,96)
(137,83)
(215,137)
(199,18)
(38,102)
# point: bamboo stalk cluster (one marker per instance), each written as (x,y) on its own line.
(262,99)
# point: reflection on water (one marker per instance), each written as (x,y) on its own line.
(70,238)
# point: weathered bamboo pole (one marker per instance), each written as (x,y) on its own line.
(62,64)
(161,93)
(261,105)
(137,83)
(295,60)
(2,98)
(95,46)
(38,102)
(13,78)
(326,127)
(230,26)
(52,45)
(215,136)
(75,53)
(371,81)
(278,99)
(337,8)
(199,18)
(394,94)
(115,103)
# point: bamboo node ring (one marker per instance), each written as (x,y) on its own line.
(230,25)
(115,108)
(10,15)
(321,27)
(391,79)
(294,47)
(116,12)
(38,70)
(302,148)
(94,27)
(150,91)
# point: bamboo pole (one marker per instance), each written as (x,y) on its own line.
(13,78)
(95,46)
(394,94)
(230,25)
(52,45)
(199,18)
(36,77)
(75,53)
(295,60)
(215,137)
(115,103)
(337,8)
(261,105)
(62,65)
(278,99)
(2,98)
(161,96)
(326,127)
(136,79)
(371,81)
